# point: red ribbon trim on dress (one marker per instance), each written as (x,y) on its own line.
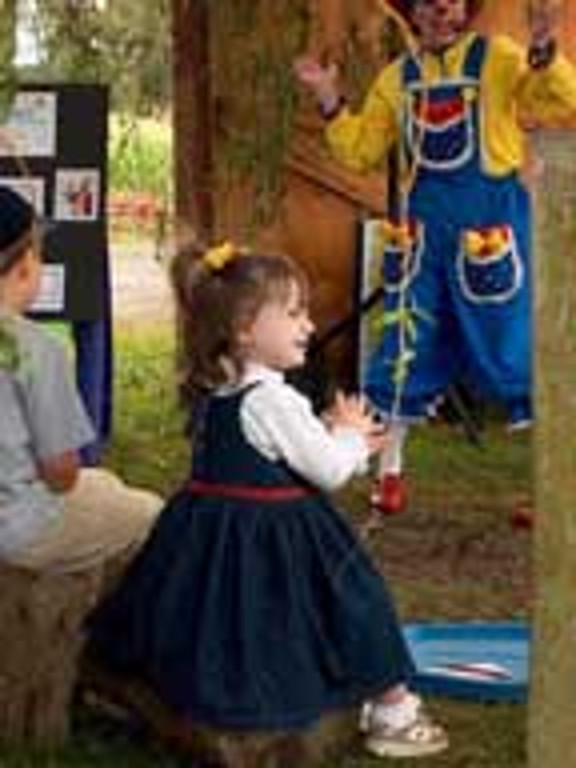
(249,492)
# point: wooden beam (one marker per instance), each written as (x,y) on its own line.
(552,709)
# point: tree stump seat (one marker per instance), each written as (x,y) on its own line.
(223,749)
(41,637)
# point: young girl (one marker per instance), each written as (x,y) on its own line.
(252,606)
(54,514)
(456,255)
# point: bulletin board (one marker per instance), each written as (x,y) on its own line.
(53,150)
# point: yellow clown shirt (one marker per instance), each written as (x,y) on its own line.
(512,94)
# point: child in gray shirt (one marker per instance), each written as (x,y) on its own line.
(54,513)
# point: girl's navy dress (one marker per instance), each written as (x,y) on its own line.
(252,605)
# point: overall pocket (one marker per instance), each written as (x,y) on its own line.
(489,266)
(401,246)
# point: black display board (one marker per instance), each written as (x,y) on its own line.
(53,149)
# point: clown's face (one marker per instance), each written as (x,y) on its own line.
(439,22)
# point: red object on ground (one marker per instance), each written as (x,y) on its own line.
(390,495)
(522,515)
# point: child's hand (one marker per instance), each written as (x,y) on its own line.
(349,410)
(353,412)
(321,80)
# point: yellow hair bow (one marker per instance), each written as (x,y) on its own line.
(218,256)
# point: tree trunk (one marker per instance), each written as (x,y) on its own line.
(553,684)
(334,734)
(193,123)
(41,637)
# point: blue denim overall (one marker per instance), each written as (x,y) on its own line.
(457,299)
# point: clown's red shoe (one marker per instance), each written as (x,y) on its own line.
(390,494)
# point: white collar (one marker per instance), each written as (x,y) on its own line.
(254,373)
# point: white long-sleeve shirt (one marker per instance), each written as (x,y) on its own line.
(279,422)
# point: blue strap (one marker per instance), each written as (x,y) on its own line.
(475,55)
(410,70)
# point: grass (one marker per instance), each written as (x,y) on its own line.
(452,555)
(140,153)
(148,448)
(140,161)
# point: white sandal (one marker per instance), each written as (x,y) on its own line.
(372,712)
(421,737)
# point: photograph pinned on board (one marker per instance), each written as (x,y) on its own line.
(51,294)
(30,127)
(77,194)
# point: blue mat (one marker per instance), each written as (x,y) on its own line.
(486,661)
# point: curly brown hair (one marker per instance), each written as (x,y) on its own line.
(213,304)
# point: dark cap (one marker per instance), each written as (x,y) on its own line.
(17,217)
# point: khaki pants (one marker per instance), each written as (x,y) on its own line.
(103,519)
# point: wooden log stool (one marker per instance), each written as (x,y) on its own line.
(41,636)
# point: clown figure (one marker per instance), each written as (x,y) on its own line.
(456,254)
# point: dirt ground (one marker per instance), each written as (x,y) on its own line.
(140,287)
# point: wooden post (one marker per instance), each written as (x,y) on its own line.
(552,710)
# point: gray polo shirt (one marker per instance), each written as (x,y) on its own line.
(41,416)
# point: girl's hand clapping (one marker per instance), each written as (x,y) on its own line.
(352,411)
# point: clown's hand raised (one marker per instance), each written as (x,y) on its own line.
(321,80)
(543,18)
